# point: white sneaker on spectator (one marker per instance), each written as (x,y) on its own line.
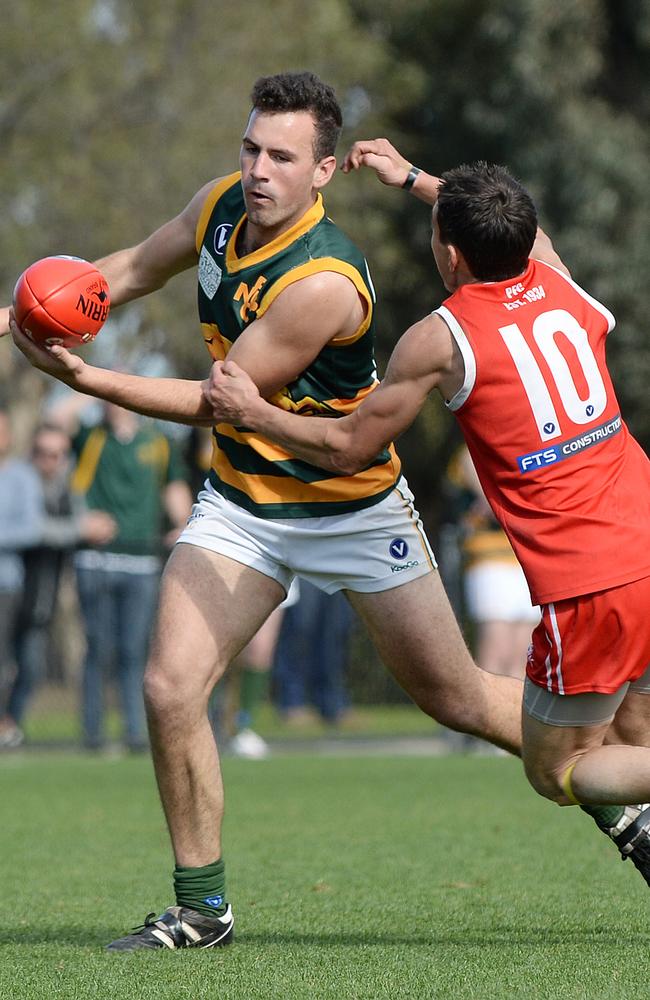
(11,736)
(250,745)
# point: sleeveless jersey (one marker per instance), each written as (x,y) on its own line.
(234,291)
(565,478)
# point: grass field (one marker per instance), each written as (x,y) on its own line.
(351,878)
(56,720)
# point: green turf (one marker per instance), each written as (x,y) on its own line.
(351,878)
(61,723)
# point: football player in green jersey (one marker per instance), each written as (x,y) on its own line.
(304,335)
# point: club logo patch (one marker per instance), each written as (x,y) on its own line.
(221,235)
(398,548)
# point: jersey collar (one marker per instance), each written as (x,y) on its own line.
(235,263)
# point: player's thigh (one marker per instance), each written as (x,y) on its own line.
(415,632)
(631,724)
(210,607)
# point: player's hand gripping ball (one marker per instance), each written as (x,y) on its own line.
(61,300)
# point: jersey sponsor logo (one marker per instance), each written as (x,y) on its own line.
(398,548)
(558,452)
(221,235)
(209,273)
(409,565)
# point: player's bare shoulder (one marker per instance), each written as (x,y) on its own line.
(428,350)
(191,214)
(328,299)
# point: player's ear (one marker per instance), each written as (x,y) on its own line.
(323,171)
(454,257)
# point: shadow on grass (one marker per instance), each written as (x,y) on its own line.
(535,937)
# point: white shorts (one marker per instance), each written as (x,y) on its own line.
(498,592)
(367,550)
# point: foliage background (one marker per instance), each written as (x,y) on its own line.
(113,114)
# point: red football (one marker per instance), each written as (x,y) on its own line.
(61,300)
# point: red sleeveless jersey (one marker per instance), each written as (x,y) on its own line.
(562,473)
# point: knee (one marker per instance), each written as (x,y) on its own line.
(548,781)
(166,695)
(161,695)
(176,695)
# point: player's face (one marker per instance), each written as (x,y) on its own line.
(280,176)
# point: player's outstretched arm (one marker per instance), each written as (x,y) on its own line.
(391,168)
(179,400)
(141,269)
(544,250)
(423,359)
(138,270)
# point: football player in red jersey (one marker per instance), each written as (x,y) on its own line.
(517,352)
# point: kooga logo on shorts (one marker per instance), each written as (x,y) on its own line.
(403,566)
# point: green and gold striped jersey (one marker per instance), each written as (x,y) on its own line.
(234,291)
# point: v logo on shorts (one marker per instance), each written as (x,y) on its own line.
(398,548)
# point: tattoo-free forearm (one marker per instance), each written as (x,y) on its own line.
(426,187)
(321,441)
(178,400)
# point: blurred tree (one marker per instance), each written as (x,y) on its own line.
(113,114)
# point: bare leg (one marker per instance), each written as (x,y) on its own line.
(601,774)
(210,607)
(417,636)
(631,724)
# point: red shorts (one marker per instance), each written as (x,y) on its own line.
(595,642)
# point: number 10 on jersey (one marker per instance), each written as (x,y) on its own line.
(546,328)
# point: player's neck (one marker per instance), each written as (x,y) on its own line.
(253,236)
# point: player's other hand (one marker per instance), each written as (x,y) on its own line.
(230,392)
(55,360)
(382,157)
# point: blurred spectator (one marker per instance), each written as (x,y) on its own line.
(497,598)
(253,668)
(21,514)
(131,471)
(312,656)
(64,524)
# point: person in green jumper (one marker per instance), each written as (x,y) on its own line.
(133,472)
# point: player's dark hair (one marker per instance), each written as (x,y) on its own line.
(302,92)
(489,217)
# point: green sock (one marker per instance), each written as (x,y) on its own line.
(605,816)
(202,889)
(253,685)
